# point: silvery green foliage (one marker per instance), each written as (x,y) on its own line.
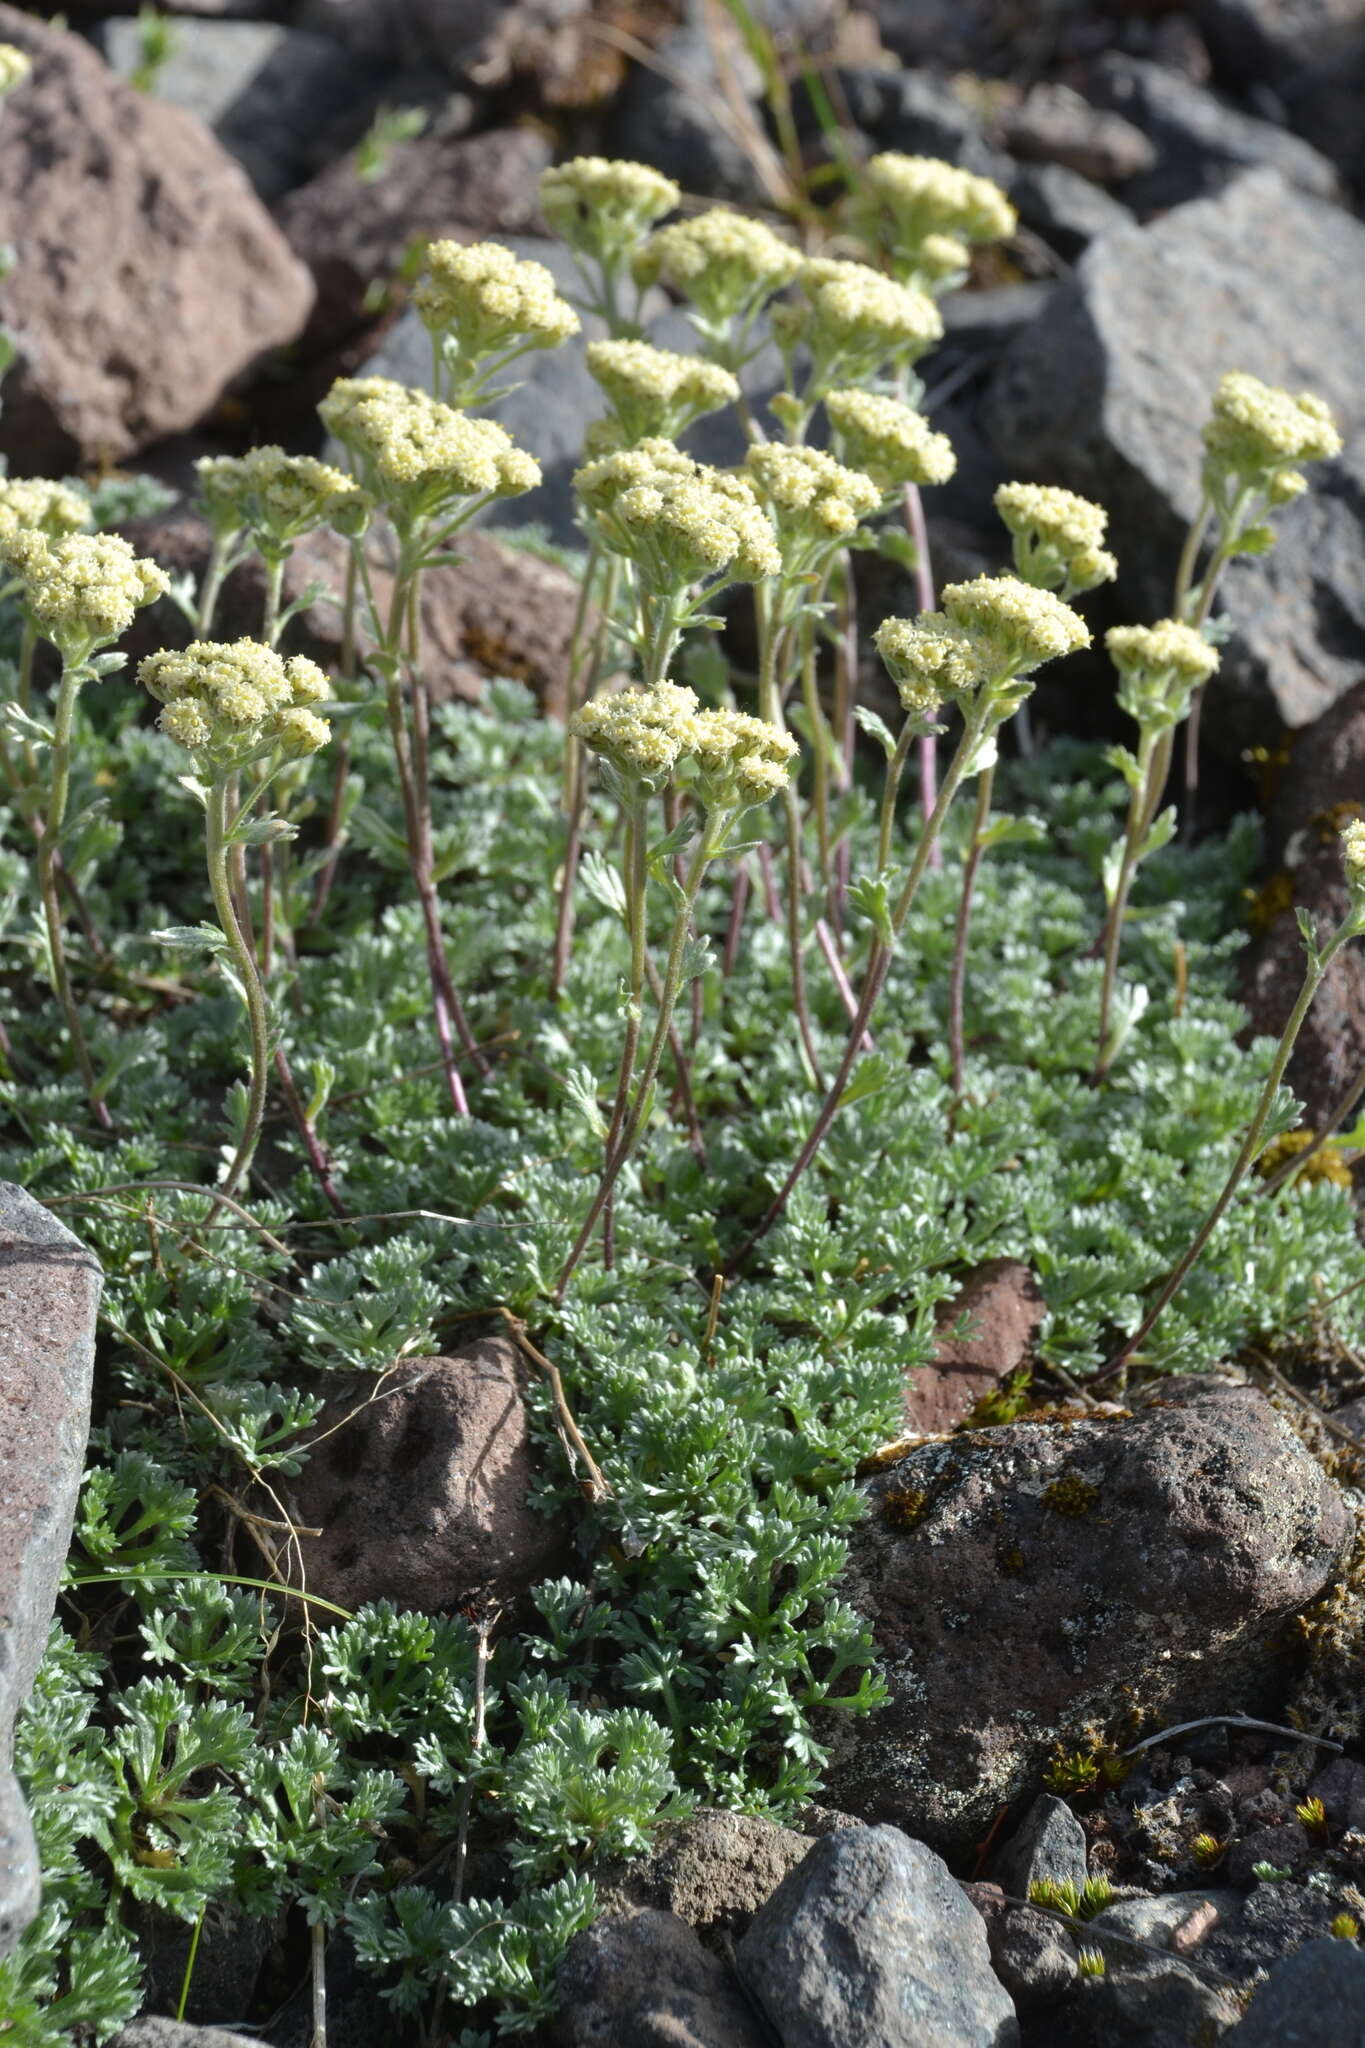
(684,1659)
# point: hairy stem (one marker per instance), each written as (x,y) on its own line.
(957,976)
(925,597)
(58,790)
(252,990)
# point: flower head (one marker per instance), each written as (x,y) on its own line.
(277,497)
(888,441)
(81,590)
(418,455)
(50,508)
(1058,537)
(856,322)
(1256,433)
(1353,852)
(924,212)
(487,299)
(676,519)
(15,66)
(602,205)
(648,735)
(229,702)
(813,501)
(655,393)
(1013,628)
(1159,666)
(927,658)
(724,264)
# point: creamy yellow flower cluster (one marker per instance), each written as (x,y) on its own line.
(1159,667)
(926,213)
(82,589)
(1257,432)
(813,501)
(601,205)
(15,66)
(50,508)
(654,393)
(490,300)
(418,455)
(856,321)
(229,701)
(888,441)
(989,632)
(647,735)
(278,497)
(1058,537)
(677,520)
(1353,852)
(723,263)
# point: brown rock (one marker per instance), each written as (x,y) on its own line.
(1031,1582)
(1286,1846)
(418,1483)
(49,1296)
(549,50)
(497,611)
(353,234)
(714,1870)
(1341,1788)
(1054,125)
(1323,789)
(148,273)
(1003,1306)
(643,1980)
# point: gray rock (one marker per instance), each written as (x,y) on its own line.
(1311,1998)
(1146,2005)
(1261,40)
(1156,1920)
(1097,395)
(643,1980)
(1285,1848)
(713,1870)
(1034,1957)
(1021,1579)
(1050,1843)
(165,2033)
(1341,1788)
(1054,125)
(679,122)
(870,1943)
(267,92)
(915,111)
(49,1298)
(1066,210)
(228,1956)
(419,1487)
(985,322)
(1201,141)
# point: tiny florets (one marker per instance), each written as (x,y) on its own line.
(648,734)
(1353,853)
(928,659)
(82,589)
(924,212)
(1257,430)
(49,508)
(601,205)
(1058,537)
(1013,627)
(417,454)
(889,441)
(724,263)
(15,66)
(1157,656)
(232,700)
(489,299)
(813,501)
(277,497)
(655,393)
(676,519)
(861,320)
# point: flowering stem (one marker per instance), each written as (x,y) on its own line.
(1335,1117)
(924,596)
(253,993)
(577,793)
(711,840)
(337,809)
(879,961)
(215,570)
(1139,801)
(957,977)
(1318,963)
(845,701)
(58,789)
(636,886)
(772,634)
(820,738)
